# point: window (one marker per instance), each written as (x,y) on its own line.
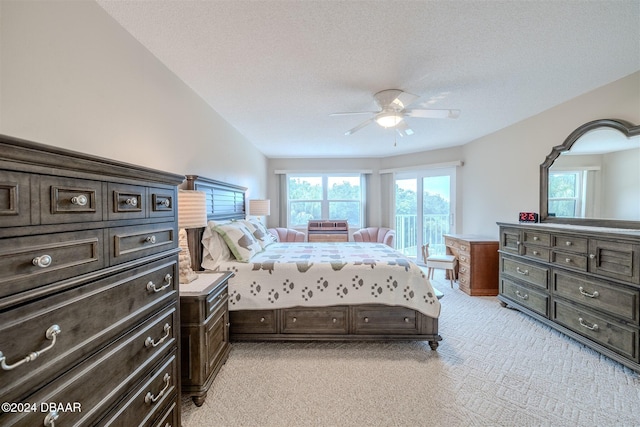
(324,196)
(566,194)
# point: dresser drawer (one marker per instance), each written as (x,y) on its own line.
(382,320)
(15,199)
(104,377)
(170,417)
(218,298)
(525,296)
(532,274)
(87,317)
(537,253)
(253,322)
(30,262)
(618,301)
(149,400)
(126,201)
(161,202)
(68,200)
(569,260)
(314,320)
(129,243)
(537,238)
(510,240)
(570,243)
(618,260)
(607,332)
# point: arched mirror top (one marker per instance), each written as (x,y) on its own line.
(593,178)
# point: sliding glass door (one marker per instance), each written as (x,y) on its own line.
(424,207)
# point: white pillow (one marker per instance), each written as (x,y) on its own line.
(239,239)
(214,249)
(260,232)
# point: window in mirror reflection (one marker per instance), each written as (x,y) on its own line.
(566,194)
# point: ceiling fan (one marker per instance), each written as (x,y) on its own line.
(393,105)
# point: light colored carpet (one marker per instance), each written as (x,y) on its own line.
(494,367)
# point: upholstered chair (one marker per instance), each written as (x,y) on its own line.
(287,234)
(375,234)
(444,262)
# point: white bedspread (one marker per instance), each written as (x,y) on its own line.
(322,274)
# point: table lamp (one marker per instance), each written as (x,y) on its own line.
(192,213)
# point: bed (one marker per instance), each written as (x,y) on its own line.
(310,291)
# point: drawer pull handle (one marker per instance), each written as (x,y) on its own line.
(568,243)
(262,319)
(80,200)
(593,327)
(595,294)
(51,334)
(132,201)
(152,286)
(150,239)
(166,203)
(42,261)
(50,419)
(366,320)
(519,295)
(523,272)
(150,398)
(149,342)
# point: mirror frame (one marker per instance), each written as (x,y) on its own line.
(626,128)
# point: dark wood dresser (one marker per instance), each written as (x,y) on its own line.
(477,263)
(89,314)
(583,281)
(204,323)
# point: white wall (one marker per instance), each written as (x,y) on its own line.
(70,76)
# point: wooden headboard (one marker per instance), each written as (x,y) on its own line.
(224,202)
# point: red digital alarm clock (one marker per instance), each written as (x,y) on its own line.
(528,217)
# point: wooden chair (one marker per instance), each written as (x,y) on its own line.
(444,262)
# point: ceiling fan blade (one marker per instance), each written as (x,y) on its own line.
(394,98)
(349,113)
(403,129)
(433,114)
(405,99)
(360,126)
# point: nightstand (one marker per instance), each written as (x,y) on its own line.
(204,329)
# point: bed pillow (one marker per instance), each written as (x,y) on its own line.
(260,232)
(239,239)
(215,250)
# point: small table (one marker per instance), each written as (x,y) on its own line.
(477,263)
(204,329)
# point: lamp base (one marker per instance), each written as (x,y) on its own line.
(187,275)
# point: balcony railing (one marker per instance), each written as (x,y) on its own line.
(433,226)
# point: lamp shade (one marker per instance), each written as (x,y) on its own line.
(259,207)
(192,209)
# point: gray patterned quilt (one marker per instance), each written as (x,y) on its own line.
(322,274)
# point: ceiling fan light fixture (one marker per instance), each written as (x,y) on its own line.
(388,120)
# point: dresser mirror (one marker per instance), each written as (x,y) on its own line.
(593,178)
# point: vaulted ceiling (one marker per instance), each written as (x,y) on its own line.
(275,69)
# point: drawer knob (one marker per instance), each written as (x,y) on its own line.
(262,319)
(568,243)
(592,256)
(366,320)
(295,319)
(150,398)
(518,242)
(131,201)
(80,200)
(150,239)
(334,320)
(406,320)
(42,261)
(593,327)
(567,260)
(149,342)
(151,287)
(536,253)
(50,419)
(166,203)
(50,334)
(462,258)
(463,248)
(463,270)
(524,297)
(523,272)
(595,294)
(536,238)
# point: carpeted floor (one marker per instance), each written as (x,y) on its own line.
(494,367)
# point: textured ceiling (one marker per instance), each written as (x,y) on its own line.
(275,70)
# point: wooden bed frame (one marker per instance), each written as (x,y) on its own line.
(335,323)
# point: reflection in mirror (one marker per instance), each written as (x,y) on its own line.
(594,177)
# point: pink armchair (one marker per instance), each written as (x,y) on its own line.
(287,234)
(375,234)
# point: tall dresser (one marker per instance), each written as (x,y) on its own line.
(89,308)
(583,281)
